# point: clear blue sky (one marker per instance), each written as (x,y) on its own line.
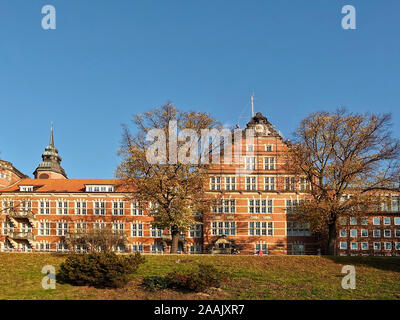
(108,60)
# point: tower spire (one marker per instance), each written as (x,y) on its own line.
(51,135)
(50,167)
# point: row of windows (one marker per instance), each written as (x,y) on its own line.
(80,207)
(387,204)
(365,246)
(254,206)
(290,183)
(376,221)
(155,248)
(62,229)
(267,147)
(377,233)
(268,163)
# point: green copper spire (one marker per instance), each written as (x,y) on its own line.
(51,161)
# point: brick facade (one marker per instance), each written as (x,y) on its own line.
(255,212)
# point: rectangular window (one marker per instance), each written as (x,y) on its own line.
(343,221)
(269,163)
(215,183)
(260,206)
(376,221)
(364,221)
(260,228)
(343,233)
(195,248)
(353,233)
(377,233)
(250,163)
(290,184)
(99,225)
(353,221)
(260,247)
(388,246)
(298,249)
(296,229)
(195,231)
(62,228)
(136,209)
(250,148)
(343,245)
(81,227)
(354,245)
(364,246)
(118,228)
(99,208)
(397,245)
(269,183)
(291,205)
(44,207)
(25,206)
(377,246)
(62,207)
(137,247)
(397,233)
(118,208)
(386,221)
(304,184)
(219,228)
(137,229)
(225,206)
(157,248)
(44,228)
(268,148)
(230,183)
(387,233)
(155,232)
(395,204)
(397,221)
(251,183)
(364,233)
(80,207)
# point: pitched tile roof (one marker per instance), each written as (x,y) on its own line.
(63,185)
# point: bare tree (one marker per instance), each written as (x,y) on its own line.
(347,159)
(95,239)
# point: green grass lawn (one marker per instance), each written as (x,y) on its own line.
(252,277)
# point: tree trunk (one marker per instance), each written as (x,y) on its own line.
(331,239)
(175,240)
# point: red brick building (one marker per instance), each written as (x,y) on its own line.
(255,213)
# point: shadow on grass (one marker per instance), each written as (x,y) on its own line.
(381,263)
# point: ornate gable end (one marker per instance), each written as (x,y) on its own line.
(262,127)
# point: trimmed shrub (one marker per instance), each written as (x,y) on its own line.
(103,270)
(207,276)
(156,283)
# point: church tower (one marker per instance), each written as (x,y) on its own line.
(50,167)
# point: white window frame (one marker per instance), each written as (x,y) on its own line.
(269,163)
(269,183)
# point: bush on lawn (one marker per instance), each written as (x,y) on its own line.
(155,283)
(102,270)
(205,277)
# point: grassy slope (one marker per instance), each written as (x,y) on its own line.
(253,277)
